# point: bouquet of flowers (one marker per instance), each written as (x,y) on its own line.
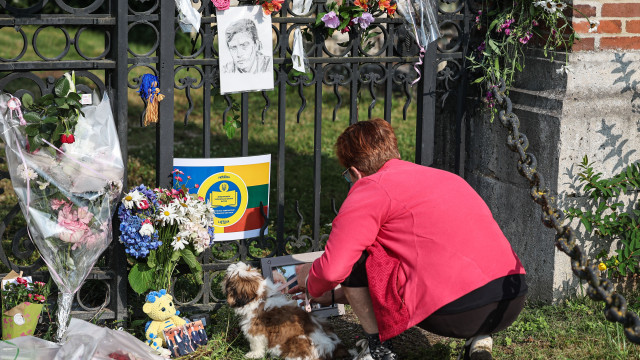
(66,169)
(161,226)
(22,302)
(345,18)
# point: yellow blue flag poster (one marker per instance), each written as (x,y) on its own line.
(234,187)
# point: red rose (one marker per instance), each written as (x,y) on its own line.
(63,138)
(70,139)
(21,281)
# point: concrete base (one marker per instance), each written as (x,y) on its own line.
(589,105)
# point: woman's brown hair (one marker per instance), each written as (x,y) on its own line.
(367,145)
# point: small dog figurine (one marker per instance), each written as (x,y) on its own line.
(274,323)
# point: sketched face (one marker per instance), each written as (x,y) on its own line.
(243,50)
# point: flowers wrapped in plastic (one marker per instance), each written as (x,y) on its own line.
(159,227)
(66,168)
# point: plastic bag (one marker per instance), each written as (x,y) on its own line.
(422,19)
(84,341)
(188,16)
(298,58)
(68,195)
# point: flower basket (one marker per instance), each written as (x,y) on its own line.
(20,320)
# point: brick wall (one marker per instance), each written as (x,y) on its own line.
(619,27)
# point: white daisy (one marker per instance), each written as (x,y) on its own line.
(179,243)
(26,173)
(42,184)
(540,3)
(593,25)
(130,199)
(560,6)
(549,6)
(146,229)
(182,206)
(168,215)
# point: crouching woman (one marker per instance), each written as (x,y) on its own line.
(414,246)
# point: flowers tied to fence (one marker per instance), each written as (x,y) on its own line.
(159,227)
(67,189)
(348,18)
(506,27)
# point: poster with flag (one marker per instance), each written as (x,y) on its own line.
(234,187)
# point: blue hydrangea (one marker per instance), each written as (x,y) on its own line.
(136,245)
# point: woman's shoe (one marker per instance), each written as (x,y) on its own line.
(479,348)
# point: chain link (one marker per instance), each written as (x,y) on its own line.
(600,289)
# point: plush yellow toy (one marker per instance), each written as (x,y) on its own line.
(161,309)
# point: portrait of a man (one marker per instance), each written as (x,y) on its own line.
(246,49)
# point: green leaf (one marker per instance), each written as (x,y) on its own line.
(32,130)
(371,35)
(229,129)
(175,256)
(62,87)
(494,46)
(50,120)
(27,100)
(60,129)
(151,259)
(478,80)
(45,98)
(193,263)
(74,96)
(141,277)
(493,24)
(31,117)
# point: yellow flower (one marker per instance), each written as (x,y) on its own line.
(602,266)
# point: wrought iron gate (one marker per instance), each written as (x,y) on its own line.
(388,66)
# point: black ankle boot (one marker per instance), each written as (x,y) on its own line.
(380,350)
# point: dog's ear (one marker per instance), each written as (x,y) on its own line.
(241,291)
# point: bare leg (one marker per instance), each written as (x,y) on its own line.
(360,302)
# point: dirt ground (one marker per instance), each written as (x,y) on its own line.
(412,344)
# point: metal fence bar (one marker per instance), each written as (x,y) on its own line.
(120,104)
(164,130)
(426,98)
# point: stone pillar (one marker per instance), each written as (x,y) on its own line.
(586,102)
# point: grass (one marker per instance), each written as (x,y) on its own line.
(575,329)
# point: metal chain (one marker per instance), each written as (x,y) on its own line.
(600,289)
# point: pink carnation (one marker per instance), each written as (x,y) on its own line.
(84,215)
(221,4)
(56,204)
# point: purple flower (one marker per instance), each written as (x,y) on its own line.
(507,31)
(482,47)
(364,21)
(526,38)
(331,20)
(489,96)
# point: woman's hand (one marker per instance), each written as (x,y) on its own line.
(302,272)
(324,299)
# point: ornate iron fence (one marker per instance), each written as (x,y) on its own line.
(116,70)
